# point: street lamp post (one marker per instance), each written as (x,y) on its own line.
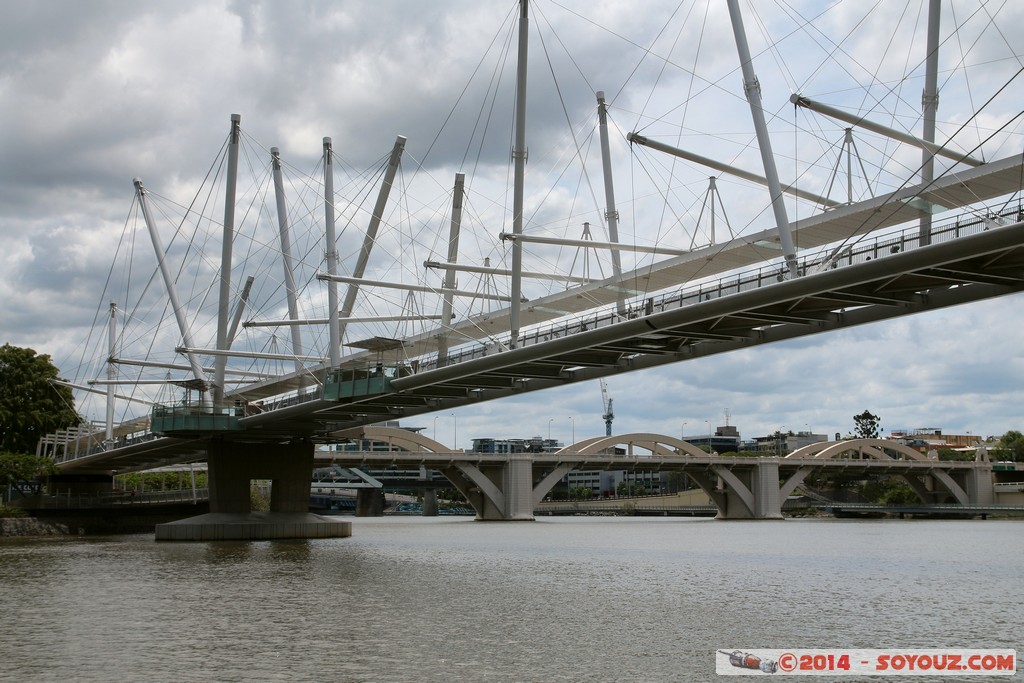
(435,427)
(682,432)
(572,421)
(455,432)
(550,420)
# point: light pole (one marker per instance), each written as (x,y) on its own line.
(435,427)
(682,432)
(572,420)
(455,431)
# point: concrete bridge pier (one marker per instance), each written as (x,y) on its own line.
(232,467)
(497,491)
(430,503)
(369,503)
(979,485)
(751,492)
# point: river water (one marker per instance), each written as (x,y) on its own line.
(451,599)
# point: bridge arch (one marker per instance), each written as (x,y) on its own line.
(495,490)
(656,444)
(876,449)
(404,439)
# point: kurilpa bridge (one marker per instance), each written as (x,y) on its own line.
(855,262)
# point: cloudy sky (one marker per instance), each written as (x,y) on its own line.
(94,94)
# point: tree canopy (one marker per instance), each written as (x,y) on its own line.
(30,405)
(866,425)
(21,469)
(1010,447)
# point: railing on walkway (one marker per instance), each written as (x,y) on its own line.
(773,273)
(922,508)
(98,446)
(67,501)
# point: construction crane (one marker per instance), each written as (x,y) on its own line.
(608,415)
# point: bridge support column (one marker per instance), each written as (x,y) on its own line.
(499,491)
(430,503)
(751,492)
(519,488)
(370,503)
(980,486)
(232,468)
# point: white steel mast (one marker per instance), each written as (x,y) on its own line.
(220,363)
(111,372)
(449,276)
(331,254)
(930,103)
(519,172)
(371,231)
(172,293)
(753,91)
(286,256)
(611,213)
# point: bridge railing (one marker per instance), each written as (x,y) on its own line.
(65,454)
(286,400)
(188,416)
(76,501)
(773,273)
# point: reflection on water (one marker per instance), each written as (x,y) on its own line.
(560,599)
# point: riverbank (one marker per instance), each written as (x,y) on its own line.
(30,526)
(97,522)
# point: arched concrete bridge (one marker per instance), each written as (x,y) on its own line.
(508,487)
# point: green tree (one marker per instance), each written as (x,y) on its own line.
(630,488)
(778,442)
(888,491)
(950,454)
(30,405)
(1010,447)
(866,425)
(581,493)
(259,501)
(19,468)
